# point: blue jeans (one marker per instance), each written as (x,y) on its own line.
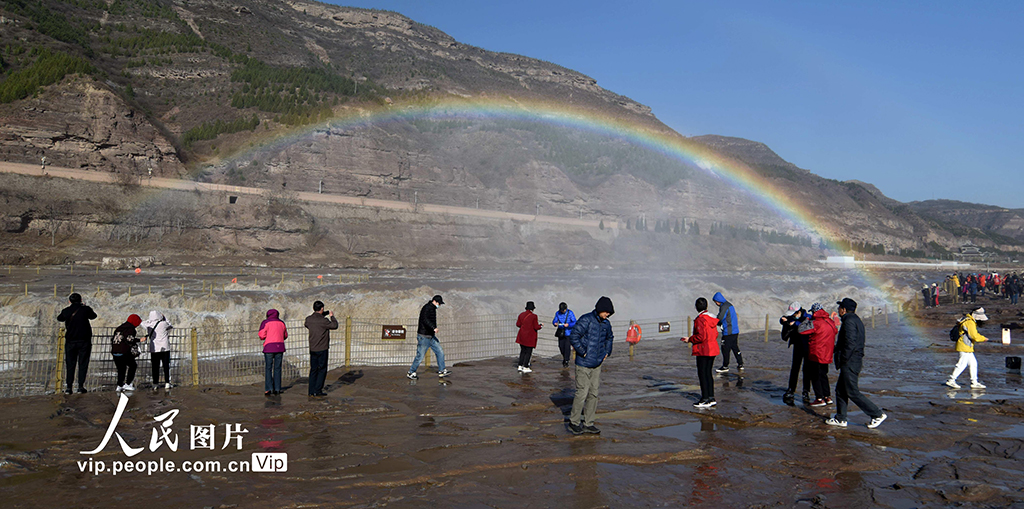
(272,374)
(317,372)
(422,344)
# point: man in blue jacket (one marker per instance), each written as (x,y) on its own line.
(591,338)
(729,323)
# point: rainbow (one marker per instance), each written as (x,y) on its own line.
(631,130)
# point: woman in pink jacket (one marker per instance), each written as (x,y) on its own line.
(273,333)
(822,344)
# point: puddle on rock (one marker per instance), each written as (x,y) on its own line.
(690,431)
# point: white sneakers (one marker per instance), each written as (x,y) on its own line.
(526,370)
(974,385)
(125,388)
(832,421)
(876,421)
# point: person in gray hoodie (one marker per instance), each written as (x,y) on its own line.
(159,331)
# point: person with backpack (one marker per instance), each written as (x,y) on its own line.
(705,349)
(124,346)
(158,331)
(966,334)
(77,340)
(527,337)
(564,320)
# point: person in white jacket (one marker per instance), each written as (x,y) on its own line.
(159,347)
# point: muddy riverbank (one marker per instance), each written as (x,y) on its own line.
(490,437)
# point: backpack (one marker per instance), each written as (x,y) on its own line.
(954,333)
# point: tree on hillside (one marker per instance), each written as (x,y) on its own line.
(55,216)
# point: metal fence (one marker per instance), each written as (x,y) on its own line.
(32,358)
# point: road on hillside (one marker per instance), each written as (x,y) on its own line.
(188,185)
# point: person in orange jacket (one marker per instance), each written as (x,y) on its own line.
(705,348)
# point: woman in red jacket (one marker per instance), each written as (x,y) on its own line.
(527,336)
(705,348)
(822,344)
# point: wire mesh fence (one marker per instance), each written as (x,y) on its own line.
(32,359)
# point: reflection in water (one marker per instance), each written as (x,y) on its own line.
(587,492)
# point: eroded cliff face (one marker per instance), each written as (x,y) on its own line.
(81,124)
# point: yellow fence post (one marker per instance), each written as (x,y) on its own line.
(872,317)
(899,310)
(183,289)
(54,291)
(767,322)
(348,341)
(194,340)
(58,377)
(886,314)
(129,291)
(689,322)
(26,289)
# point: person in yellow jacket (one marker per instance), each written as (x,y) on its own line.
(965,345)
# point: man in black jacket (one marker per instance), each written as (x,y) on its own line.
(849,355)
(320,324)
(426,337)
(77,340)
(801,349)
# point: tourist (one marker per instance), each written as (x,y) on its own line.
(592,340)
(564,320)
(77,340)
(729,323)
(158,331)
(319,324)
(124,346)
(273,332)
(965,345)
(426,337)
(705,348)
(527,337)
(821,344)
(849,357)
(790,322)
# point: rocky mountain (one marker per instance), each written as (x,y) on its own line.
(1001,225)
(206,89)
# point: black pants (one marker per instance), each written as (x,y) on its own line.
(706,378)
(525,352)
(77,353)
(730,343)
(125,363)
(157,358)
(317,371)
(819,379)
(565,347)
(847,390)
(800,352)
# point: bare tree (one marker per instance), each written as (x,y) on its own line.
(128,180)
(55,215)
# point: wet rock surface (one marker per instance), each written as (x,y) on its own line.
(490,437)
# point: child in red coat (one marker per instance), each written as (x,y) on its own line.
(705,348)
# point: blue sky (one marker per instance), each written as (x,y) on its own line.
(923,99)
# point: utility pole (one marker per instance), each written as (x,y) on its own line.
(416,198)
(321,191)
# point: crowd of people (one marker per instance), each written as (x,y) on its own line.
(814,336)
(967,288)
